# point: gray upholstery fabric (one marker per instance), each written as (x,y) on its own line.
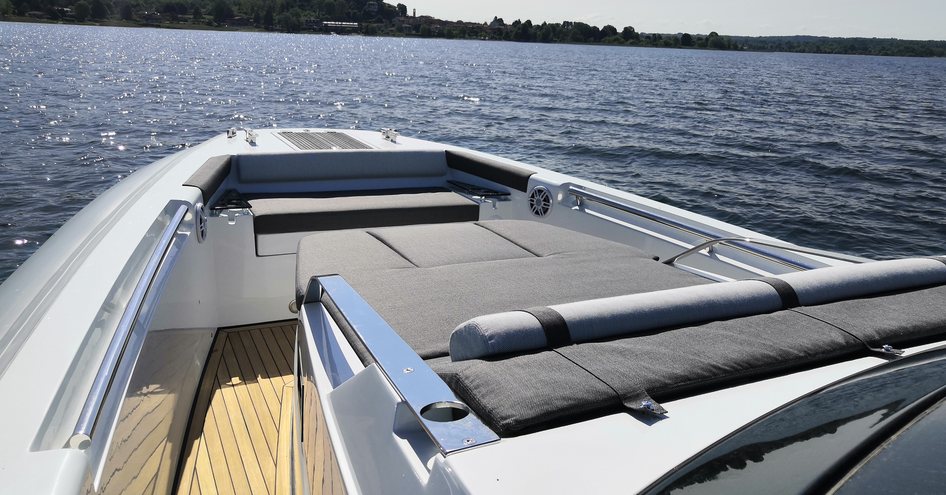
(341,250)
(520,393)
(425,303)
(339,165)
(210,176)
(838,283)
(526,391)
(888,319)
(498,333)
(595,319)
(424,292)
(453,244)
(535,237)
(282,215)
(601,318)
(682,361)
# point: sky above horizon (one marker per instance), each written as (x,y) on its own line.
(907,19)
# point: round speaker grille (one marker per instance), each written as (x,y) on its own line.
(200,218)
(540,201)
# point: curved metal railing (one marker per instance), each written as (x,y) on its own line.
(762,242)
(104,377)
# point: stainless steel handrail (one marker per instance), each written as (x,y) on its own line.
(82,433)
(583,194)
(762,242)
(449,423)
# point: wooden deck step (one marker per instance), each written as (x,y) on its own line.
(239,439)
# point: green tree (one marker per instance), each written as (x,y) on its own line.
(522,31)
(291,21)
(340,10)
(221,11)
(126,12)
(629,34)
(715,41)
(401,10)
(81,10)
(686,39)
(197,14)
(6,7)
(268,16)
(98,10)
(608,31)
(544,33)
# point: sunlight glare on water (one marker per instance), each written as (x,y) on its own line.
(837,152)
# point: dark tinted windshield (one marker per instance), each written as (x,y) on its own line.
(811,444)
(912,461)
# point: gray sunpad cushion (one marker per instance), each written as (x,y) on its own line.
(888,318)
(453,244)
(425,303)
(518,331)
(519,393)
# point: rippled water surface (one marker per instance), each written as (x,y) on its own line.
(838,152)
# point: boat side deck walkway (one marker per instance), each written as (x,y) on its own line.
(240,433)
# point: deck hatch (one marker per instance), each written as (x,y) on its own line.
(306,140)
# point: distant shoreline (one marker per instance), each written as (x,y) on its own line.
(764,44)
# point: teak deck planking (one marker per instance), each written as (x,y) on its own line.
(239,440)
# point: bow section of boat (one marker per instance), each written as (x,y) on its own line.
(313,310)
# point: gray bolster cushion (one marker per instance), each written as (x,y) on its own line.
(838,283)
(517,331)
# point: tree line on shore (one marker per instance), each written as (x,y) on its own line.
(375,17)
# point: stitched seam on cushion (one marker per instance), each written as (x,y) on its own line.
(838,327)
(382,241)
(586,370)
(514,243)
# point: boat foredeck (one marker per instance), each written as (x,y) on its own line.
(240,432)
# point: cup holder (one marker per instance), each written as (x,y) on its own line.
(445,411)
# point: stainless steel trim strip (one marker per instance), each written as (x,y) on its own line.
(741,244)
(751,240)
(451,425)
(103,378)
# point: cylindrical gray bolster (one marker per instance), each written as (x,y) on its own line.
(517,331)
(837,283)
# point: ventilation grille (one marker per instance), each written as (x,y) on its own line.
(540,201)
(323,141)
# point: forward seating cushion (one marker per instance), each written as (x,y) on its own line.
(284,215)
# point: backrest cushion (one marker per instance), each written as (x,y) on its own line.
(210,176)
(339,165)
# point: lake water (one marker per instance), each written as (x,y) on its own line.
(838,152)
